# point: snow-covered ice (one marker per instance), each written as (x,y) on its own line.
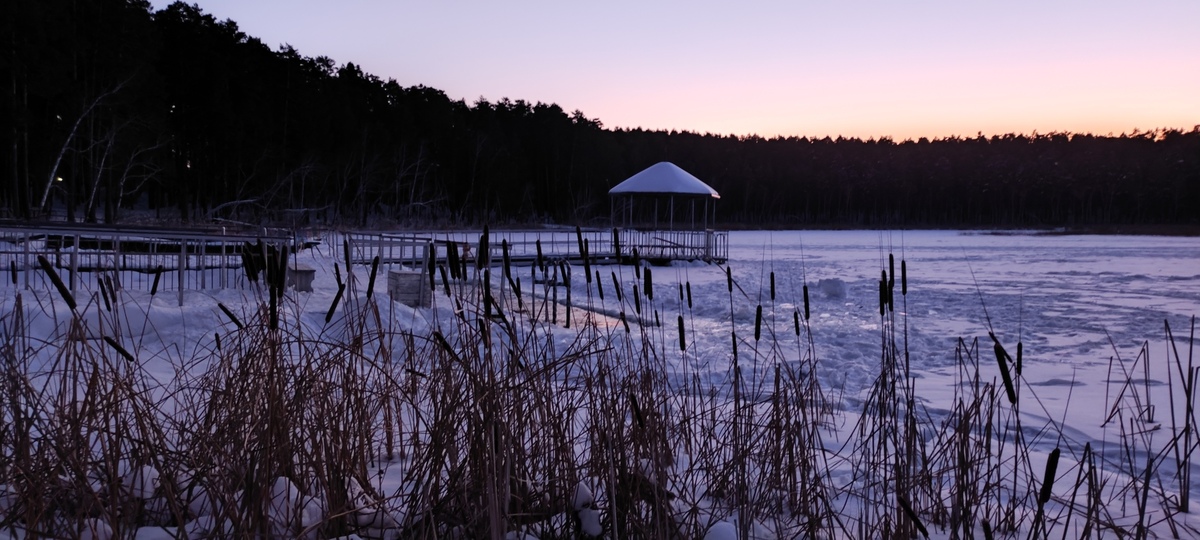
(1082,307)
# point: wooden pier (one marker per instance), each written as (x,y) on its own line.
(603,246)
(176,260)
(153,259)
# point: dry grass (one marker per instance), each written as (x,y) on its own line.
(275,430)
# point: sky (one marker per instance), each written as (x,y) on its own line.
(864,69)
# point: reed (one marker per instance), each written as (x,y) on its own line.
(493,422)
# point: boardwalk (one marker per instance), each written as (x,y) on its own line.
(610,246)
(153,259)
(176,260)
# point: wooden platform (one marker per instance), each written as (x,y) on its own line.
(603,246)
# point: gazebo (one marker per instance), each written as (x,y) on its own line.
(636,219)
(662,181)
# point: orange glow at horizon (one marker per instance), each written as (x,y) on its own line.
(865,69)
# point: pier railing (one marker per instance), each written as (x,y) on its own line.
(413,249)
(150,259)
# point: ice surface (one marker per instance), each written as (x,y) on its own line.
(1081,306)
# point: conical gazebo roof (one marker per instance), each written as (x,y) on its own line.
(664,178)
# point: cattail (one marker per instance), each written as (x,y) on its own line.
(729,279)
(58,282)
(507,259)
(885,291)
(104,295)
(806,312)
(1009,389)
(1048,477)
(617,287)
(908,511)
(657,321)
(567,322)
(337,274)
(733,337)
(772,285)
(637,300)
(882,295)
(891,271)
(120,350)
(445,345)
(157,275)
(231,316)
(579,240)
(587,261)
(541,260)
(689,294)
(796,322)
(682,337)
(903,278)
(12,269)
(1020,350)
(452,258)
(338,298)
(371,276)
(346,249)
(987,530)
(649,281)
(599,285)
(487,293)
(758,323)
(637,411)
(217,340)
(616,241)
(625,322)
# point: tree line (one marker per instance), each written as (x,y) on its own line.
(113,111)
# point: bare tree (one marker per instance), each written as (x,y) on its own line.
(62,151)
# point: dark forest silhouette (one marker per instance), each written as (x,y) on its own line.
(108,106)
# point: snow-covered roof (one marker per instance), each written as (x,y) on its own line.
(664,178)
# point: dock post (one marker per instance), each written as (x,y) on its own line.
(203,266)
(75,265)
(25,269)
(182,263)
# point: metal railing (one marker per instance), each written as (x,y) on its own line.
(174,260)
(412,249)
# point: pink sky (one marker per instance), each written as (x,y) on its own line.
(857,69)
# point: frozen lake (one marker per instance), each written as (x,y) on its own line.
(1083,307)
(1064,297)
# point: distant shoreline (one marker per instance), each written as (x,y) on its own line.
(1180,230)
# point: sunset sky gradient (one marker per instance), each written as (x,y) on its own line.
(857,69)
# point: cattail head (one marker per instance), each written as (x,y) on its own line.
(806,312)
(682,337)
(758,323)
